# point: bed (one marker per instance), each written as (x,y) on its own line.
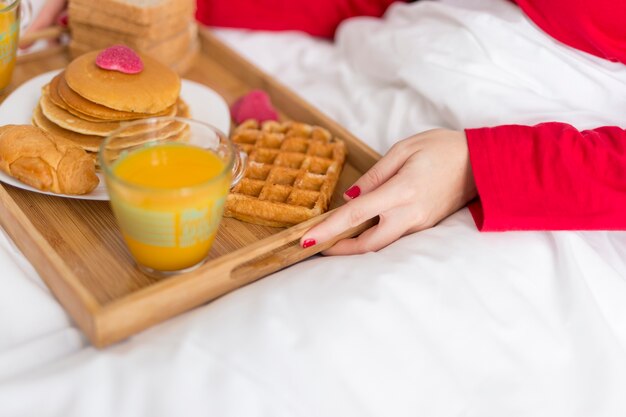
(445,322)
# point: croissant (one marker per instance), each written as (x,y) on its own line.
(45,162)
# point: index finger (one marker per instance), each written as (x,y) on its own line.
(353,213)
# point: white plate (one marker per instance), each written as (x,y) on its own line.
(204,104)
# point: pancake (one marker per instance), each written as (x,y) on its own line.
(53,91)
(181,136)
(67,120)
(182,109)
(87,142)
(151,91)
(91,143)
(93,112)
(173,131)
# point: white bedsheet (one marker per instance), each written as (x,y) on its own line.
(447,322)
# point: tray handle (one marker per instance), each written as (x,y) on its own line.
(241,267)
(50,33)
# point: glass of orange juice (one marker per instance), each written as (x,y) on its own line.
(167,188)
(11,11)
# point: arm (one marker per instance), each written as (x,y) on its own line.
(549,177)
(593,26)
(315,17)
(419,182)
(546,177)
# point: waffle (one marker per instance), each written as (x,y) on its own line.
(292,171)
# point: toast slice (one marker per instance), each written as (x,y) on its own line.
(180,60)
(169,49)
(156,29)
(139,12)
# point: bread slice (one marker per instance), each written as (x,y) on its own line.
(179,59)
(167,51)
(187,61)
(139,12)
(156,29)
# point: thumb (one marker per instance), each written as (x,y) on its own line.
(380,172)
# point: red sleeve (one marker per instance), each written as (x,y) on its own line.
(548,177)
(594,26)
(315,17)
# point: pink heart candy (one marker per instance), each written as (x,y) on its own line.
(254,105)
(120,58)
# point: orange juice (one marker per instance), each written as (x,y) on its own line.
(168,200)
(9,32)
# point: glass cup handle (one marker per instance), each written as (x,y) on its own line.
(239,167)
(26,13)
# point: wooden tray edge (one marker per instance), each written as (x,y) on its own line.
(360,155)
(107,324)
(79,303)
(176,295)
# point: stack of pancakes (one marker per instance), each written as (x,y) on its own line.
(85,103)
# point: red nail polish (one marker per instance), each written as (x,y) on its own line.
(353,192)
(63,20)
(308,243)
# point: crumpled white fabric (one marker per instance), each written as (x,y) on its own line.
(446,322)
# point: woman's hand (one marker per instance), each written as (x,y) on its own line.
(52,12)
(418,183)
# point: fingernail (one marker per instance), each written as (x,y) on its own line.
(308,243)
(353,192)
(62,20)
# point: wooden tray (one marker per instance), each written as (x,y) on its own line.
(76,246)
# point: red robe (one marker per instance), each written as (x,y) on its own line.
(315,17)
(552,176)
(544,177)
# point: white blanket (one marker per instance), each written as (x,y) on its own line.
(446,322)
